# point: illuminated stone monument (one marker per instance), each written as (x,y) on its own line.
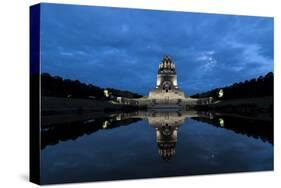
(167,91)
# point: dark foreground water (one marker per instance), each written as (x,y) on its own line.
(146,145)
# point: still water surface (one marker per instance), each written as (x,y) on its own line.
(154,144)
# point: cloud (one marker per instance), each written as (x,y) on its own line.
(121,48)
(66,53)
(250,58)
(208,61)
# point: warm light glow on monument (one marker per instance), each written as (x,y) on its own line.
(175,83)
(158,83)
(167,91)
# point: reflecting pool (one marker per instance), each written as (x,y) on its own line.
(161,143)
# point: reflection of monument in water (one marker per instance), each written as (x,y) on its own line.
(166,123)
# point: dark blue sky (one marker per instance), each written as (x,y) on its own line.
(121,48)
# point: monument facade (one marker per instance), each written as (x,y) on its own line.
(167,90)
(167,93)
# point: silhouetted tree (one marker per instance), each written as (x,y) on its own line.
(260,87)
(59,87)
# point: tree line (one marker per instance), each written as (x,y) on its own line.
(59,87)
(56,133)
(256,87)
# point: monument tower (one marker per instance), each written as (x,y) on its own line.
(167,90)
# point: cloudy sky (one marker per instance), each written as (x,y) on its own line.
(121,48)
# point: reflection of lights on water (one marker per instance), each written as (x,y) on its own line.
(211,116)
(105,124)
(90,121)
(221,121)
(118,118)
